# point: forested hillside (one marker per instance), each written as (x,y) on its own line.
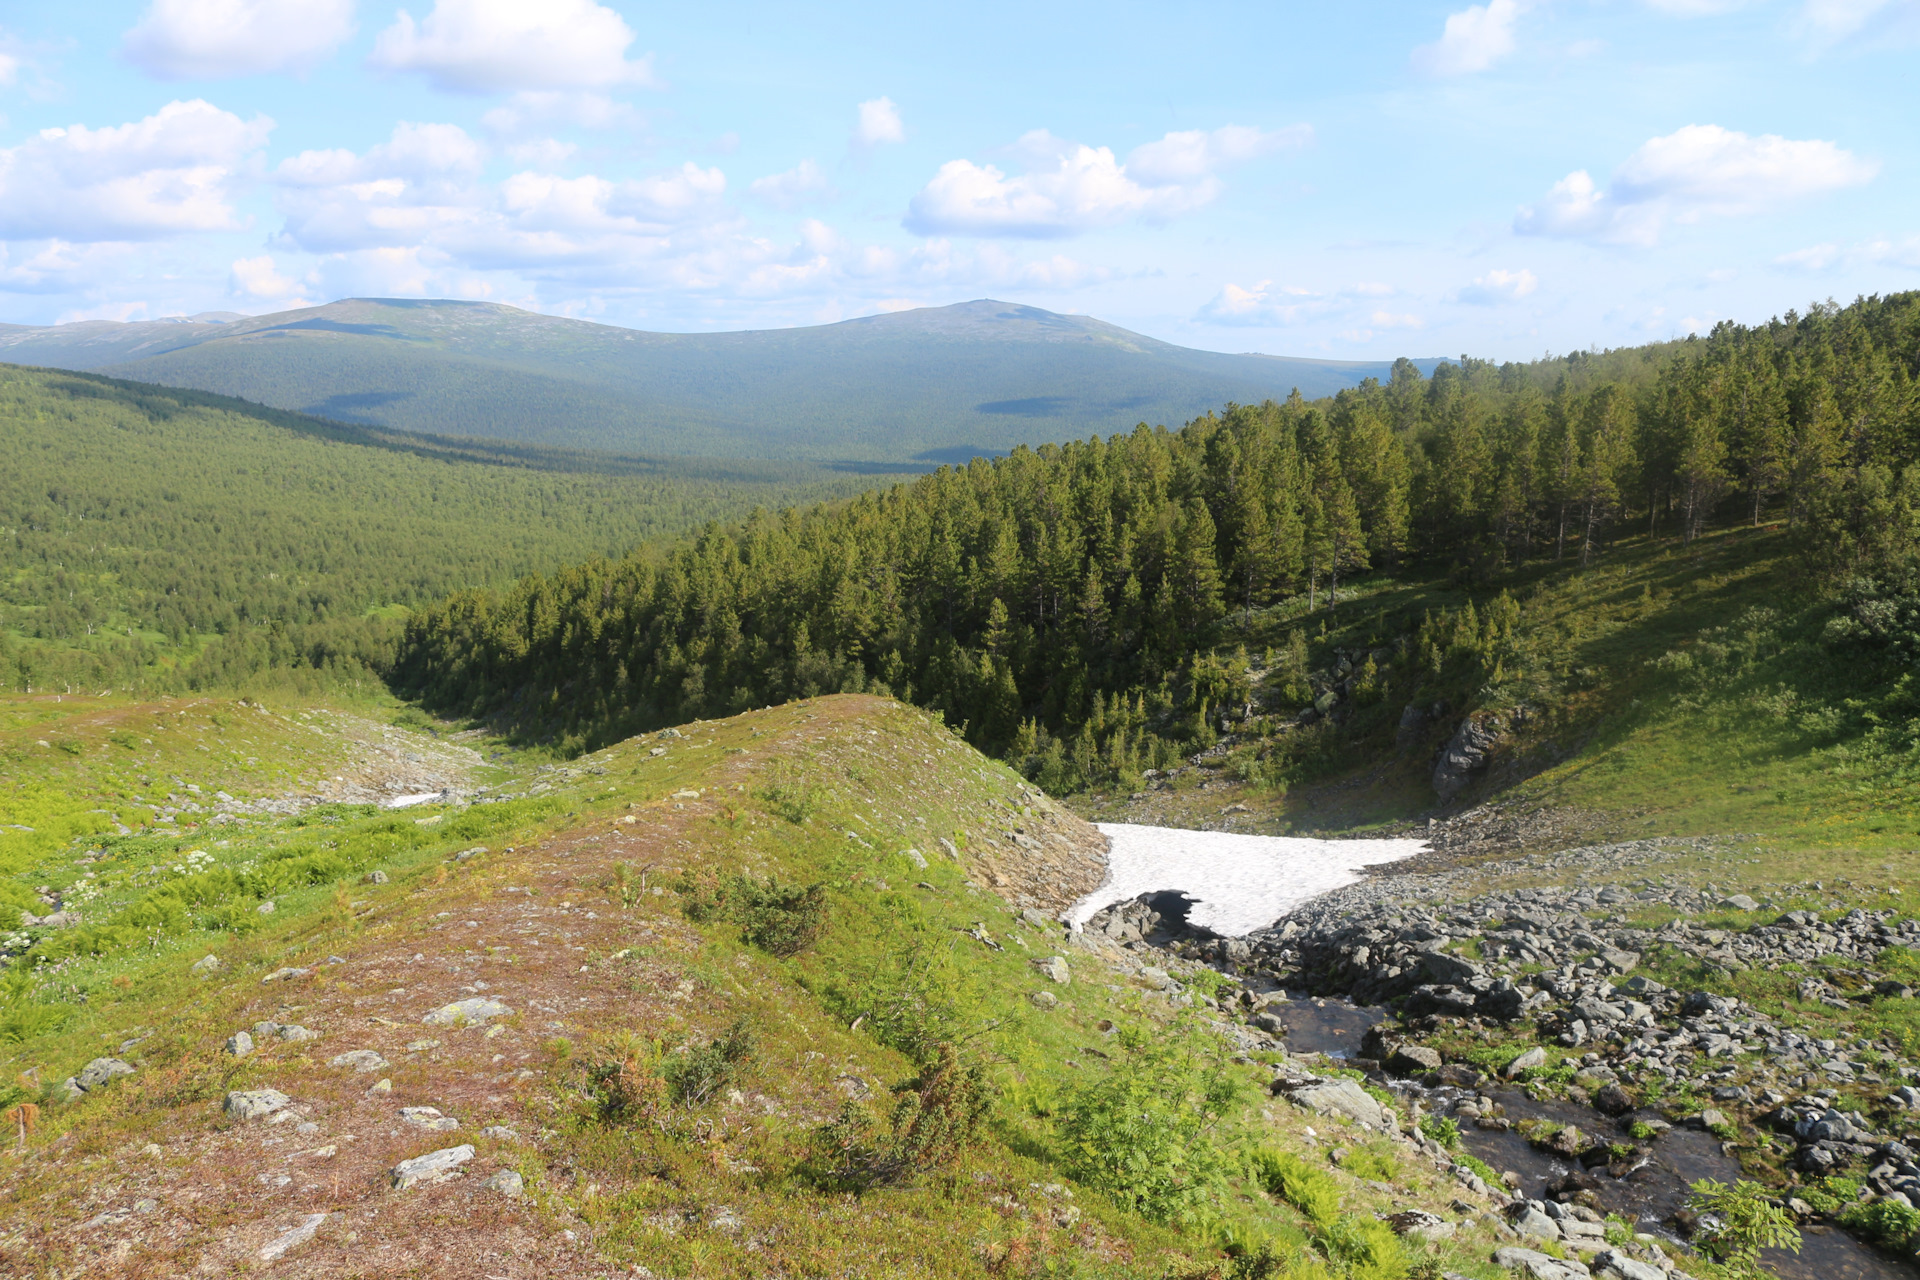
(158,537)
(1092,594)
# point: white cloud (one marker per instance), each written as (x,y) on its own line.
(171,172)
(786,190)
(1879,252)
(1696,172)
(9,70)
(879,122)
(1071,187)
(1833,21)
(58,266)
(1265,305)
(1499,286)
(532,109)
(542,153)
(1473,40)
(1192,154)
(213,39)
(258,278)
(1816,257)
(492,46)
(1695,8)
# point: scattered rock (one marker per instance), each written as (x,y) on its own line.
(99,1072)
(1413,1060)
(435,1166)
(252,1104)
(293,1238)
(1044,1000)
(1615,1265)
(1539,1265)
(429,1118)
(296,1033)
(1053,968)
(460,1013)
(1421,1225)
(205,967)
(1336,1097)
(1534,1057)
(359,1060)
(513,1186)
(239,1044)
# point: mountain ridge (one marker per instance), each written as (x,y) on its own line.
(929,384)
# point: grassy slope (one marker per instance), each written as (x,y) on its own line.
(1761,729)
(600,964)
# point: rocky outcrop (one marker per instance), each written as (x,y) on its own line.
(1466,755)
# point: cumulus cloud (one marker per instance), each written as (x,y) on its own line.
(878,122)
(792,188)
(1834,21)
(493,46)
(1498,286)
(1472,40)
(214,39)
(533,109)
(1696,172)
(9,70)
(259,279)
(1069,188)
(1878,252)
(1265,305)
(172,172)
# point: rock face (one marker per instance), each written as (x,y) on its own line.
(435,1166)
(252,1104)
(1465,754)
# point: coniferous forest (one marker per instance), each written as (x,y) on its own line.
(1083,591)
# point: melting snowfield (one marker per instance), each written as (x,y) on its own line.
(1242,883)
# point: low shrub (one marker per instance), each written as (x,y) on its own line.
(1293,1180)
(1739,1220)
(1887,1223)
(938,1114)
(695,1076)
(1143,1130)
(781,919)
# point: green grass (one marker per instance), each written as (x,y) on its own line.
(892,976)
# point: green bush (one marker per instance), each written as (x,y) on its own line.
(938,1114)
(1368,1247)
(1441,1129)
(1887,1223)
(781,919)
(1143,1131)
(1740,1220)
(1371,1164)
(692,1078)
(1306,1188)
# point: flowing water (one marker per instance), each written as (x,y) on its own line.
(1647,1196)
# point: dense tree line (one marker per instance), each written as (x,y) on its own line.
(1081,589)
(139,523)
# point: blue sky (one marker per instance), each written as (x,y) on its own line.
(1360,181)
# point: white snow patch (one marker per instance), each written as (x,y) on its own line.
(1241,883)
(407,802)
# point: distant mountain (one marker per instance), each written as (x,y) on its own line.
(937,384)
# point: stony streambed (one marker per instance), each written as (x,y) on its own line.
(1555,968)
